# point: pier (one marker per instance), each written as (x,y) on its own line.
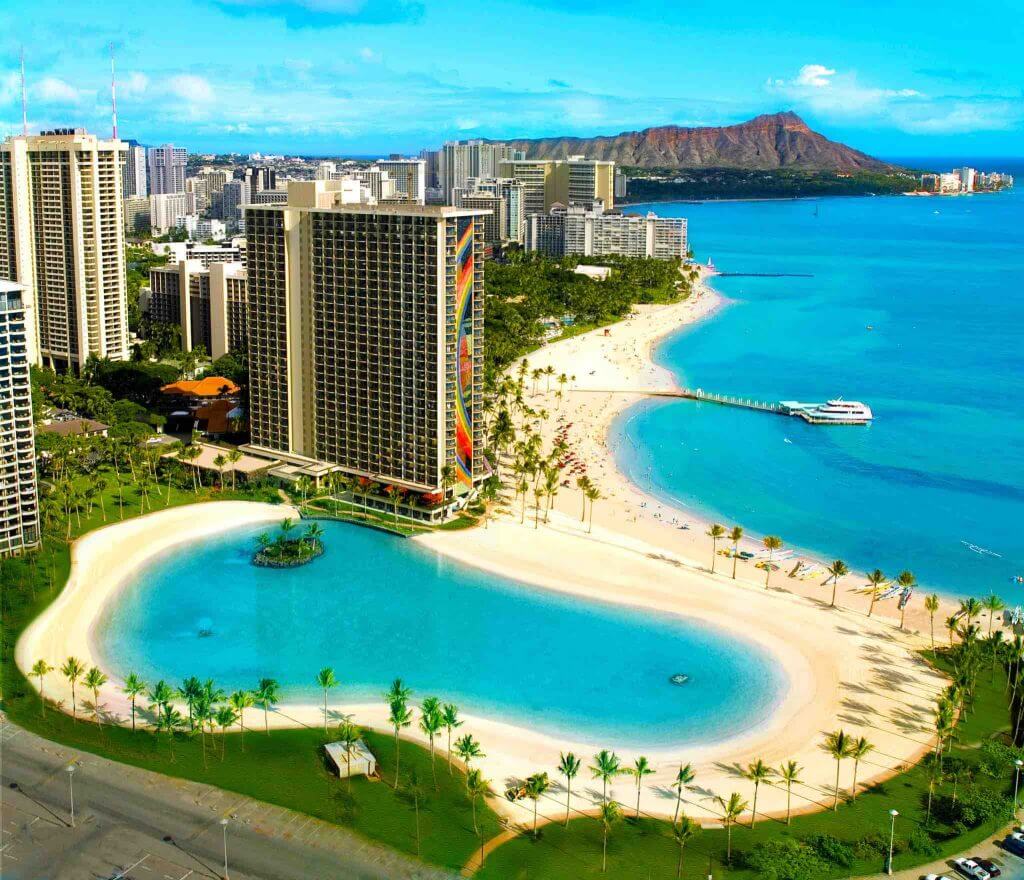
(835,412)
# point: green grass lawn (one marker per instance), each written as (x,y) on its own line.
(647,849)
(285,768)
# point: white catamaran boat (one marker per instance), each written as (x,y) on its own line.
(835,412)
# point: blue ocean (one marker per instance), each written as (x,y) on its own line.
(914,306)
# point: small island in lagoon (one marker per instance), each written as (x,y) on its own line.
(285,551)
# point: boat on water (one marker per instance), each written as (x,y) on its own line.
(834,412)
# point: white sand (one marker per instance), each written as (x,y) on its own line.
(844,670)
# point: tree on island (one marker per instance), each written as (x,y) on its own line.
(757,773)
(641,768)
(732,809)
(609,814)
(265,695)
(682,834)
(790,774)
(684,777)
(606,767)
(73,669)
(838,744)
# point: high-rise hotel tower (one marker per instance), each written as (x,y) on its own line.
(62,238)
(19,500)
(366,337)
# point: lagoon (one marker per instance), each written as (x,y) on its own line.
(376,607)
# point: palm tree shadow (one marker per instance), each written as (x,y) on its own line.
(734,769)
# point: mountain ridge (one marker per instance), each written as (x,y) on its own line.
(766,142)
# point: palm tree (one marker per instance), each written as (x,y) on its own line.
(536,787)
(641,768)
(160,695)
(468,749)
(790,774)
(732,809)
(757,773)
(265,695)
(450,720)
(684,777)
(683,833)
(169,720)
(94,680)
(398,691)
(73,669)
(771,544)
(906,580)
(837,570)
(875,581)
(349,735)
(240,701)
(569,767)
(859,749)
(476,787)
(593,494)
(326,679)
(606,766)
(992,604)
(931,605)
(951,624)
(970,608)
(225,717)
(609,815)
(234,456)
(735,535)
(189,691)
(431,723)
(714,533)
(40,669)
(399,716)
(838,745)
(220,461)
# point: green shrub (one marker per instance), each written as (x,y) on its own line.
(785,859)
(921,842)
(831,849)
(996,759)
(975,806)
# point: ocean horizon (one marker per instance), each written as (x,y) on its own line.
(914,306)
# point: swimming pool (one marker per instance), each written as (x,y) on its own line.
(375,607)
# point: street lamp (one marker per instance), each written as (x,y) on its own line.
(892,838)
(71,788)
(1018,764)
(224,826)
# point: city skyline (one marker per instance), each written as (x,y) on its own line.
(352,78)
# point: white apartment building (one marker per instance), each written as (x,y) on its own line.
(166,169)
(166,210)
(62,238)
(949,182)
(967,178)
(19,496)
(324,170)
(577,230)
(135,183)
(409,176)
(461,160)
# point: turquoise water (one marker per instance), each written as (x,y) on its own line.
(375,607)
(941,281)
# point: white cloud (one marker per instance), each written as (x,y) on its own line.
(828,91)
(191,88)
(367,54)
(815,75)
(57,91)
(465,123)
(132,85)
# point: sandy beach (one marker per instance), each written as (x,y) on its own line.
(843,669)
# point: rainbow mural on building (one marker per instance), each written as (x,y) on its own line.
(464,383)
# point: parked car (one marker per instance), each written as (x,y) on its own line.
(1014,843)
(971,869)
(988,865)
(935,877)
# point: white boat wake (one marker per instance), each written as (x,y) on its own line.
(981,551)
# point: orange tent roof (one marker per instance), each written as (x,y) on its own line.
(211,386)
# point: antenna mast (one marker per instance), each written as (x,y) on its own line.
(24,99)
(113,93)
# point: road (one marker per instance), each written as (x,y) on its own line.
(132,824)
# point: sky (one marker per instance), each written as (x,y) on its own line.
(907,78)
